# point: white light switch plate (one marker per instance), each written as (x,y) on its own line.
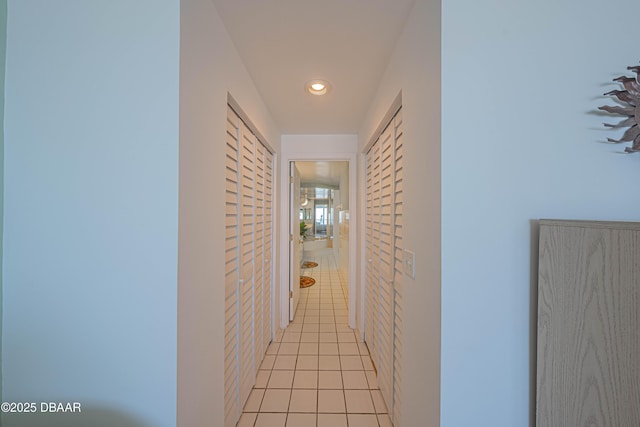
(409,263)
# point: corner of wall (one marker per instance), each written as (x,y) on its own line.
(3,49)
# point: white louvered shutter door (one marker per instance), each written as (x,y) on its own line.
(248,261)
(399,232)
(369,280)
(232,228)
(247,254)
(268,248)
(259,253)
(383,275)
(374,285)
(386,307)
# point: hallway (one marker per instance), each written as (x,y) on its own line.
(319,373)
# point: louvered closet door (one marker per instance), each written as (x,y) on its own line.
(383,330)
(248,262)
(397,284)
(268,250)
(369,311)
(386,301)
(259,253)
(232,253)
(373,250)
(247,255)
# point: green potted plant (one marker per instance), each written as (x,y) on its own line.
(304,228)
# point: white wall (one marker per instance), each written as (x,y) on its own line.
(519,142)
(210,67)
(414,69)
(91,211)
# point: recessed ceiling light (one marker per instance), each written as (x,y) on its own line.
(317,87)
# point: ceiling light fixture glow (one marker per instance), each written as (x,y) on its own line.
(317,87)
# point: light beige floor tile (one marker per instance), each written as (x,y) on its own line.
(319,340)
(306,379)
(349,348)
(291,336)
(372,379)
(346,337)
(275,400)
(273,348)
(308,348)
(328,348)
(358,402)
(307,363)
(343,327)
(311,327)
(332,420)
(309,337)
(297,326)
(247,419)
(355,380)
(303,401)
(330,380)
(329,363)
(342,319)
(328,337)
(362,420)
(267,362)
(378,402)
(254,401)
(350,363)
(327,327)
(285,362)
(331,401)
(301,420)
(281,379)
(366,363)
(262,378)
(384,420)
(271,420)
(288,348)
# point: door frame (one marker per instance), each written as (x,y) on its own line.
(295,255)
(285,203)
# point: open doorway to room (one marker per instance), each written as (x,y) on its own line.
(319,212)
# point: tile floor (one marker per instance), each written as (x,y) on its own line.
(319,374)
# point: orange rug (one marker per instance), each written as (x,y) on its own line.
(309,264)
(306,281)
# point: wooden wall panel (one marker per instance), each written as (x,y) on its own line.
(588,364)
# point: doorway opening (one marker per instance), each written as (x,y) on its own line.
(319,222)
(320,211)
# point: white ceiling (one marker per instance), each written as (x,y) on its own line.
(285,43)
(322,173)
